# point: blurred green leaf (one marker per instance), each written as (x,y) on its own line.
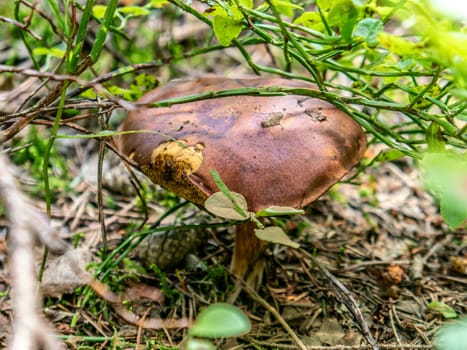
(325,5)
(445,175)
(159,3)
(90,94)
(279,211)
(452,336)
(119,91)
(389,155)
(55,52)
(275,234)
(220,320)
(98,11)
(443,309)
(450,49)
(247,3)
(445,40)
(368,29)
(286,7)
(343,15)
(142,84)
(310,20)
(103,30)
(134,11)
(199,344)
(377,8)
(462,116)
(397,45)
(434,138)
(461,94)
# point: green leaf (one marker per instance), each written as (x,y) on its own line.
(199,344)
(226,29)
(343,15)
(452,336)
(242,207)
(89,93)
(368,29)
(279,210)
(461,94)
(98,11)
(103,30)
(453,215)
(443,309)
(397,45)
(119,91)
(448,47)
(389,155)
(227,22)
(275,234)
(247,3)
(286,7)
(325,5)
(159,3)
(380,10)
(221,205)
(462,116)
(220,320)
(434,139)
(445,175)
(42,51)
(134,11)
(310,20)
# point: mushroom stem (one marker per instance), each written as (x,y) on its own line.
(247,249)
(248,260)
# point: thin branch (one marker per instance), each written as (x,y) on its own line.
(20,26)
(27,226)
(256,297)
(346,297)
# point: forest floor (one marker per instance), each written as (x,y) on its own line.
(376,262)
(381,237)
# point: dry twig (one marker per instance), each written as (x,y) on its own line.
(27,226)
(347,299)
(256,297)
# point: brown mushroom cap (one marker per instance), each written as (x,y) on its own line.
(274,150)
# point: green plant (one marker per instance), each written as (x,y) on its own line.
(217,321)
(445,176)
(233,206)
(77,238)
(170,293)
(30,154)
(452,335)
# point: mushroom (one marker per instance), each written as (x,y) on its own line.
(274,150)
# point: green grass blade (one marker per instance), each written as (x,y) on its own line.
(81,35)
(103,30)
